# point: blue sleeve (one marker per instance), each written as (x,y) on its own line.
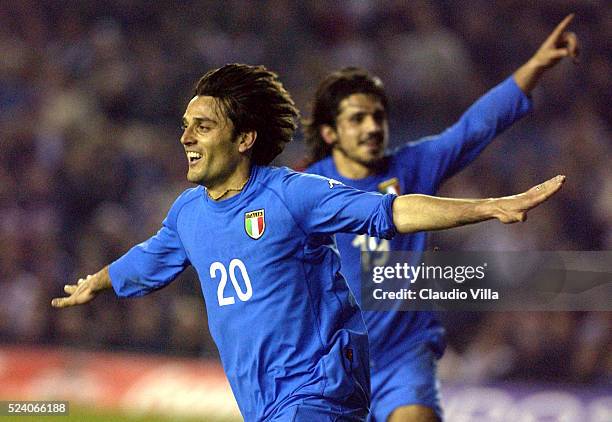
(445,154)
(152,264)
(325,206)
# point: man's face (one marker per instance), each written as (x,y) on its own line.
(212,154)
(362,129)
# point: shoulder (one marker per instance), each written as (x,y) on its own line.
(323,167)
(294,186)
(282,176)
(416,150)
(270,175)
(188,196)
(415,146)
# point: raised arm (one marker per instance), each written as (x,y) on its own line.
(413,213)
(559,44)
(445,154)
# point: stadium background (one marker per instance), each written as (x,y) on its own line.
(91,95)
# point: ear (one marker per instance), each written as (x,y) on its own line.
(246,141)
(328,134)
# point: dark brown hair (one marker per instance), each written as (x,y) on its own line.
(324,108)
(253,98)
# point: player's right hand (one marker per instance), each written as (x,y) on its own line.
(79,293)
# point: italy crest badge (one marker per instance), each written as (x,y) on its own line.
(255,223)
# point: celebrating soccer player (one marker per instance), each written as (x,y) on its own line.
(290,334)
(347,133)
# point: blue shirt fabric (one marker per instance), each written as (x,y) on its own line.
(284,320)
(420,167)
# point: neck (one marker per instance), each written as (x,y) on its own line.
(350,168)
(232,185)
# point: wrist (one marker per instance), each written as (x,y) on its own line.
(101,280)
(535,66)
(528,75)
(488,208)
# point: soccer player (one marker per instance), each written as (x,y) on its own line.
(290,335)
(347,133)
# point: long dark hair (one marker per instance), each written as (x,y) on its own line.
(254,99)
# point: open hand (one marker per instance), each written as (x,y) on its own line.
(85,289)
(512,209)
(78,294)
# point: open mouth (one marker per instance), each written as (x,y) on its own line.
(193,157)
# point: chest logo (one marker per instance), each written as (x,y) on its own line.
(390,186)
(255,223)
(333,182)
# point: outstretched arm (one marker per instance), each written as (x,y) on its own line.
(148,266)
(559,44)
(413,213)
(85,289)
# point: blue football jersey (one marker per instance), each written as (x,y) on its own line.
(420,167)
(284,320)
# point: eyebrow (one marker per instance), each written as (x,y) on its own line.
(201,120)
(361,106)
(357,109)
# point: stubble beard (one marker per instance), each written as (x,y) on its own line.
(371,163)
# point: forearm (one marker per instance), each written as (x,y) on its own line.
(491,114)
(413,213)
(528,75)
(100,280)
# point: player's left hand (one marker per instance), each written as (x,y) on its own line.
(512,209)
(559,44)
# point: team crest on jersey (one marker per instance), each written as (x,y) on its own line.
(390,186)
(255,223)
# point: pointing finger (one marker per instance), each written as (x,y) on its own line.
(554,36)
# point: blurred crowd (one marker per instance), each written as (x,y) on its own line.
(91,99)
